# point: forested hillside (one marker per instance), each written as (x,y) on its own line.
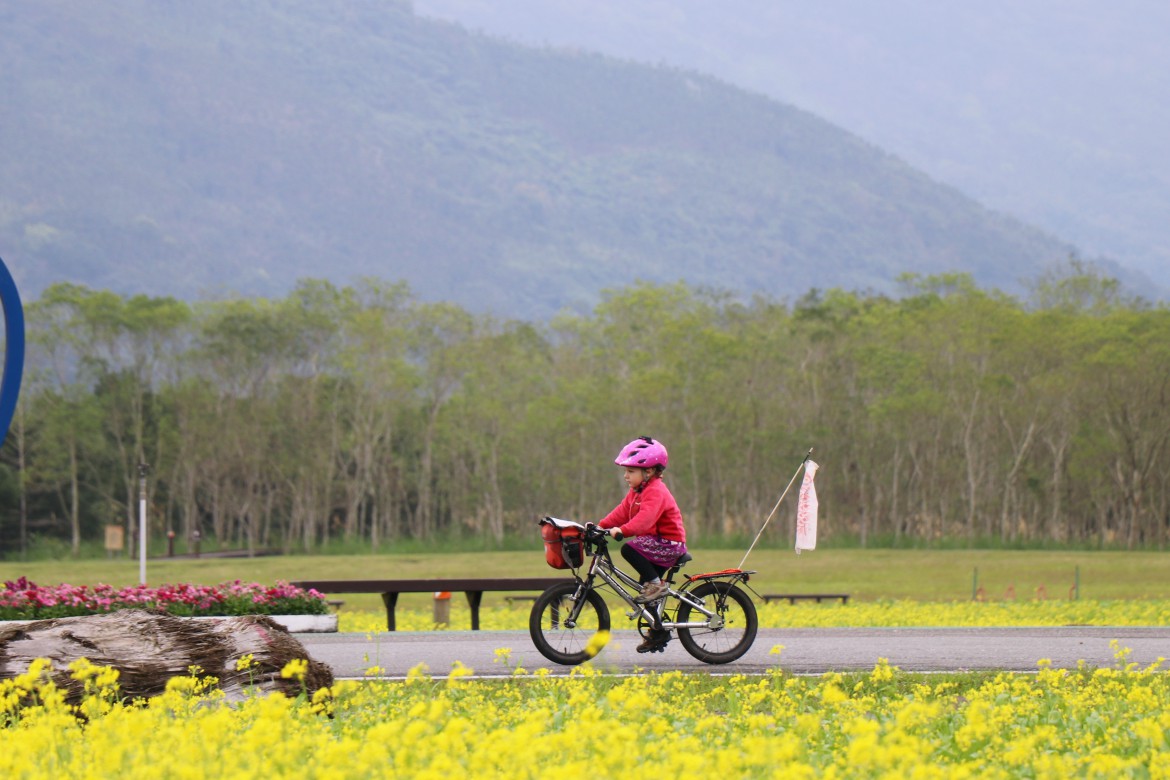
(1054,111)
(196,150)
(950,415)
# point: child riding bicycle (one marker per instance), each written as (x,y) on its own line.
(650,518)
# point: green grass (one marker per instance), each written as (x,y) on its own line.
(925,575)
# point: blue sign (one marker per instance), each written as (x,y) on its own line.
(13,349)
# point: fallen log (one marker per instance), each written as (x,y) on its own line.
(148,649)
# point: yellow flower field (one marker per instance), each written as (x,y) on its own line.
(877,614)
(1091,723)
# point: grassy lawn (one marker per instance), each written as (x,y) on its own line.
(926,575)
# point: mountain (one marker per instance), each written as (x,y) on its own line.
(234,146)
(1054,111)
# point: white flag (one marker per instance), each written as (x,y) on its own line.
(806,510)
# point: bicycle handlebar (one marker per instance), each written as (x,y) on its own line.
(594,533)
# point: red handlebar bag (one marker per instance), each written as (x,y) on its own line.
(563,547)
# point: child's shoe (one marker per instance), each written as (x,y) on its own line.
(652,591)
(655,642)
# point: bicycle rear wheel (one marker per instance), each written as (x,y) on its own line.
(732,630)
(556,641)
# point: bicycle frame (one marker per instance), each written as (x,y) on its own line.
(601,567)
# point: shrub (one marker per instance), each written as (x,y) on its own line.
(24,600)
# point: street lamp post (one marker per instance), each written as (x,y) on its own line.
(142,471)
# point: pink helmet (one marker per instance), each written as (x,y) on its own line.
(642,453)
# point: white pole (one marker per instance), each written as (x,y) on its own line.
(142,523)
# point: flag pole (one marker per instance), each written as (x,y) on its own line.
(782,495)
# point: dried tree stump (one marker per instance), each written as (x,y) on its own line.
(148,649)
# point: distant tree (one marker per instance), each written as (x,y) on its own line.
(1079,286)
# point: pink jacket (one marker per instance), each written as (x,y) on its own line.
(651,512)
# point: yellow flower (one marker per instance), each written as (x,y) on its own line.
(596,644)
(107,677)
(182,684)
(882,672)
(419,672)
(295,669)
(1057,723)
(458,670)
(38,668)
(832,694)
(82,669)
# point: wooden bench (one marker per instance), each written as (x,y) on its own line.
(792,598)
(474,588)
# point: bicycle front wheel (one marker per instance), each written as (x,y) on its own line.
(729,633)
(556,633)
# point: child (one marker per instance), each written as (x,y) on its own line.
(649,515)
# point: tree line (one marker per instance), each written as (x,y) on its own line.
(949,414)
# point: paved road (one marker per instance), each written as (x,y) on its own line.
(805,651)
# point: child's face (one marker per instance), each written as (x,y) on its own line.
(634,477)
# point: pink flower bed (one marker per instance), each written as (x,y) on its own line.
(24,600)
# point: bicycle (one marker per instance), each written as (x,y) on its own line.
(714,618)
